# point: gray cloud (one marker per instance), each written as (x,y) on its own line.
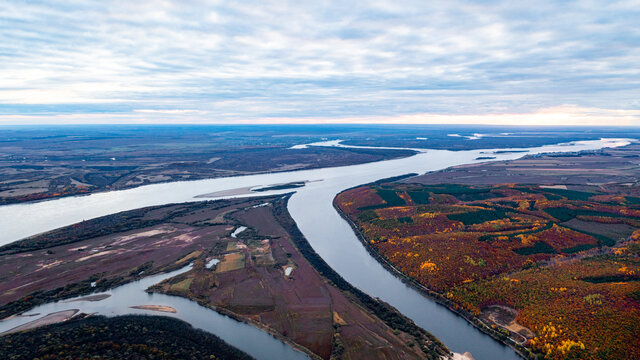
(230,61)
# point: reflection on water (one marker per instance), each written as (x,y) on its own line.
(311,208)
(255,342)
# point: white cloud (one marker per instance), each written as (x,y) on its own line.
(251,61)
(555,116)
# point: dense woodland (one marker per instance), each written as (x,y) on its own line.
(124,337)
(564,259)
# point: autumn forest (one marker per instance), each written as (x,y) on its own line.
(536,263)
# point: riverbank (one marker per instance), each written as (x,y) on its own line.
(120,337)
(391,316)
(309,307)
(435,296)
(564,254)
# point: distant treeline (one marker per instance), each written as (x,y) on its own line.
(292,185)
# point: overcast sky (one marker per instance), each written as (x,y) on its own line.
(552,62)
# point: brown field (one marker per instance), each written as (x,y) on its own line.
(607,166)
(231,262)
(248,283)
(160,308)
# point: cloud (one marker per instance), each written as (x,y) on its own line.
(555,116)
(214,61)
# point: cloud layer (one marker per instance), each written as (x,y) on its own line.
(286,61)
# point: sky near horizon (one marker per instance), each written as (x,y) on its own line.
(451,62)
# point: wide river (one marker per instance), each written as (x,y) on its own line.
(311,207)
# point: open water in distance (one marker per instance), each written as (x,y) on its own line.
(311,207)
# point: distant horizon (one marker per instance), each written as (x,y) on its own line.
(361,125)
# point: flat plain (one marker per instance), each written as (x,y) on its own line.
(547,259)
(257,275)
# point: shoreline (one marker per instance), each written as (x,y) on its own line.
(242,319)
(366,301)
(245,173)
(282,215)
(428,293)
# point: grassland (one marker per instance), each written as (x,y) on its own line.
(311,306)
(555,269)
(314,310)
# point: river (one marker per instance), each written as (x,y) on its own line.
(311,207)
(250,339)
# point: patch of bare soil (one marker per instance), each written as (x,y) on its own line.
(161,308)
(614,231)
(505,317)
(52,318)
(465,356)
(300,306)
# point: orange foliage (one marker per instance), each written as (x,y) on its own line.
(478,263)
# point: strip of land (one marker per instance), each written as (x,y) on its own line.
(48,319)
(36,165)
(161,308)
(265,275)
(599,168)
(542,260)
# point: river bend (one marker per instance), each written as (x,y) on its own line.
(311,207)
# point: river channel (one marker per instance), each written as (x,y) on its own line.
(311,207)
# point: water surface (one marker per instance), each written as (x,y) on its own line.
(250,339)
(311,208)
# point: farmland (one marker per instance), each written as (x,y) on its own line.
(258,275)
(40,164)
(51,162)
(251,282)
(539,264)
